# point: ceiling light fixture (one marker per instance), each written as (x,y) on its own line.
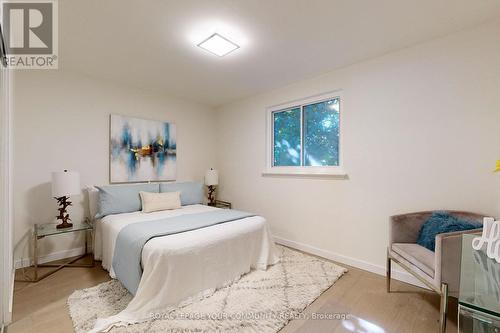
(218,45)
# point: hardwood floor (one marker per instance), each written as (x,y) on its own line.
(41,307)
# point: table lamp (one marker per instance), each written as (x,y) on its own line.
(211,180)
(64,184)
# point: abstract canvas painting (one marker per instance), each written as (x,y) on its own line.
(141,150)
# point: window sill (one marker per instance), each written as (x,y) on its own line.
(305,173)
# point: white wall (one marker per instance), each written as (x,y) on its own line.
(421,133)
(61,122)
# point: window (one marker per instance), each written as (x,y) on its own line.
(304,137)
(287,140)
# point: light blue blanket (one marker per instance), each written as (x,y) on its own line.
(132,238)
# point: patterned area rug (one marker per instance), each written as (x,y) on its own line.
(260,301)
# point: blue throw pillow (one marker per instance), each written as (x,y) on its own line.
(441,222)
(116,199)
(191,192)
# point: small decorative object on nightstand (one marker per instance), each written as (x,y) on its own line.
(211,180)
(64,184)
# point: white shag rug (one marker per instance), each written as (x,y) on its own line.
(260,301)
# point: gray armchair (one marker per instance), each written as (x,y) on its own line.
(439,270)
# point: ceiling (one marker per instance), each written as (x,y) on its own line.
(151,43)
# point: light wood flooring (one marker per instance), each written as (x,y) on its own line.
(41,307)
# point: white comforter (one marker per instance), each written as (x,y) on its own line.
(185,265)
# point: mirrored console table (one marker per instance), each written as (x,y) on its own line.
(479,299)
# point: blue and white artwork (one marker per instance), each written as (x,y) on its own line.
(142,150)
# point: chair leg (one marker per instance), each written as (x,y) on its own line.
(388,274)
(443,308)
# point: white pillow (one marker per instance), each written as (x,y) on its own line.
(93,200)
(152,202)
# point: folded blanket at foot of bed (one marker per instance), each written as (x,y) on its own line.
(133,237)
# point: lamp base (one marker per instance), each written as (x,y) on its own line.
(64,225)
(211,196)
(63,203)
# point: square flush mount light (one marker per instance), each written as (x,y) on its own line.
(218,45)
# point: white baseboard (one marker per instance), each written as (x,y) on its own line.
(380,270)
(26,262)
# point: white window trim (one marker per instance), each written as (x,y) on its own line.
(304,171)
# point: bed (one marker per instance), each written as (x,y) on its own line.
(182,267)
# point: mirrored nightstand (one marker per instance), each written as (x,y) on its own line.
(49,229)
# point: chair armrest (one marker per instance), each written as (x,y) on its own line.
(448,256)
(406,227)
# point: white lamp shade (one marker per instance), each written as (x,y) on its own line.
(212,177)
(65,183)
